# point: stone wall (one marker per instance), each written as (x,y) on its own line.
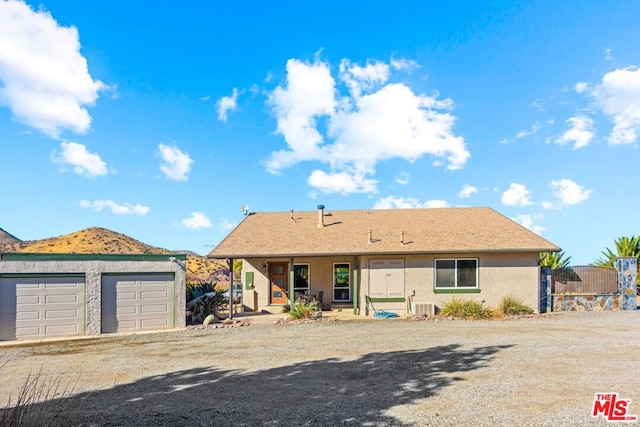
(564,302)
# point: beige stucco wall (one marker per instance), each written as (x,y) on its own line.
(499,274)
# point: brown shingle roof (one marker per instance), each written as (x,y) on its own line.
(440,230)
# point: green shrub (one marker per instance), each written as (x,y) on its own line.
(303,310)
(512,306)
(468,309)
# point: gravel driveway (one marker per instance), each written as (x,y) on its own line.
(396,372)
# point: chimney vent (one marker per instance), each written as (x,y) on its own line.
(370,236)
(402,238)
(320,216)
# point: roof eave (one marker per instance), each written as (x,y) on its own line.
(373,253)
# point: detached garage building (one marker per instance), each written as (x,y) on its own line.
(66,295)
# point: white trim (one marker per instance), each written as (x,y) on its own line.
(455,277)
(333,285)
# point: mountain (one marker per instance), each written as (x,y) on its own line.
(96,240)
(7,238)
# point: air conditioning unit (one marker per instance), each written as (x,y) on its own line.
(423,308)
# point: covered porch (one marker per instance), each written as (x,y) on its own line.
(273,284)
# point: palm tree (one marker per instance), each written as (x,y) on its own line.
(554,260)
(625,246)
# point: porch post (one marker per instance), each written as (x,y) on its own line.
(230,288)
(356,297)
(291,283)
(627,268)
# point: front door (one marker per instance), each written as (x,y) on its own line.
(279,278)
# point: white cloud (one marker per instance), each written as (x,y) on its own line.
(467,191)
(80,160)
(516,195)
(580,87)
(196,221)
(608,53)
(568,192)
(309,94)
(618,96)
(359,79)
(176,164)
(435,204)
(534,129)
(527,221)
(225,224)
(45,79)
(537,105)
(392,202)
(342,182)
(547,205)
(404,64)
(375,122)
(226,104)
(581,132)
(116,209)
(403,178)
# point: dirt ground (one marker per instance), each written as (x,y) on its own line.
(395,372)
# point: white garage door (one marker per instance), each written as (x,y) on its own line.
(37,307)
(137,302)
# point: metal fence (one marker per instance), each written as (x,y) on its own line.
(584,279)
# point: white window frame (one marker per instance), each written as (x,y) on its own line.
(335,288)
(455,286)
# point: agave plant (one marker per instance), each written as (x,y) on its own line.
(304,310)
(204,299)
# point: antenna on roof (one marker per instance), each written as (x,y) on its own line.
(245,210)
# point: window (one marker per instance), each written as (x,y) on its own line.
(301,279)
(341,289)
(456,273)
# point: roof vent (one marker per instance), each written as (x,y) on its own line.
(320,216)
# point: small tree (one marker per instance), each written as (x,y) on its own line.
(554,260)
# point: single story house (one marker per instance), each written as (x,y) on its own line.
(405,260)
(65,295)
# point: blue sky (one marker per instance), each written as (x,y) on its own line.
(161,120)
